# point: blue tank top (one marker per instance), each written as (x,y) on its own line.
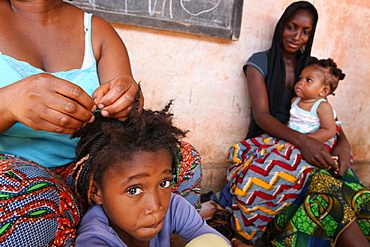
(46,148)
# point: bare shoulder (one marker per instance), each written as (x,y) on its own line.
(102,26)
(105,38)
(324,108)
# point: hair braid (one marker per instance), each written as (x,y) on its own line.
(77,171)
(84,170)
(332,74)
(107,142)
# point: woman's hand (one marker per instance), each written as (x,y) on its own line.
(116,97)
(45,102)
(315,153)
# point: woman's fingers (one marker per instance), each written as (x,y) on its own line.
(44,102)
(116,97)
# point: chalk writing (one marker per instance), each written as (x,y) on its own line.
(181,15)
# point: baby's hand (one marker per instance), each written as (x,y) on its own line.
(288,145)
(336,167)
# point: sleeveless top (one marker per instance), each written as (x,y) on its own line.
(305,121)
(46,148)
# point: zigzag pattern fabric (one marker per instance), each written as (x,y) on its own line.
(265,178)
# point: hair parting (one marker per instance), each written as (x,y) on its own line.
(332,74)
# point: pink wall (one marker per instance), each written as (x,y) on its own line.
(205,78)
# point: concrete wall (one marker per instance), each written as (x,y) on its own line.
(205,78)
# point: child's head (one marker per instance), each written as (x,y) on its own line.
(319,79)
(127,167)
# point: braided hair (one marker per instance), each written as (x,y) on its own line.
(275,78)
(332,74)
(107,141)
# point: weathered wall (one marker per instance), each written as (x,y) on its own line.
(205,78)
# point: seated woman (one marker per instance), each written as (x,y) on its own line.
(329,210)
(58,65)
(274,173)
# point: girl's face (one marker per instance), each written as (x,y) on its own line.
(310,84)
(135,195)
(297,31)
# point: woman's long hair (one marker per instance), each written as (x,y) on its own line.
(275,78)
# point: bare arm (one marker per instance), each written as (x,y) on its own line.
(6,124)
(327,123)
(260,107)
(313,151)
(7,121)
(116,94)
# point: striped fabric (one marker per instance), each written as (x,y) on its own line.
(265,178)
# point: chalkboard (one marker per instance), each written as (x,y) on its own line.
(216,18)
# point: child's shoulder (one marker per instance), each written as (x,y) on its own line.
(180,210)
(180,203)
(323,105)
(295,99)
(94,230)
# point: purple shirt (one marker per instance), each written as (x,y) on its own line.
(181,218)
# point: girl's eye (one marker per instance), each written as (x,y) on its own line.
(309,80)
(165,184)
(134,191)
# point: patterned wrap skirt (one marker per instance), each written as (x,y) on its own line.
(38,206)
(275,191)
(325,208)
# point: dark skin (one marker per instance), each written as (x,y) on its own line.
(237,243)
(48,34)
(296,33)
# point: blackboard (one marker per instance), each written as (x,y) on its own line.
(216,18)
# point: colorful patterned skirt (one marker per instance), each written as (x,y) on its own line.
(265,177)
(274,189)
(326,207)
(38,207)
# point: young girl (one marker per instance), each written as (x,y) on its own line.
(125,171)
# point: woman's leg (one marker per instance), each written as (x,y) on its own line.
(36,208)
(332,210)
(265,177)
(352,236)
